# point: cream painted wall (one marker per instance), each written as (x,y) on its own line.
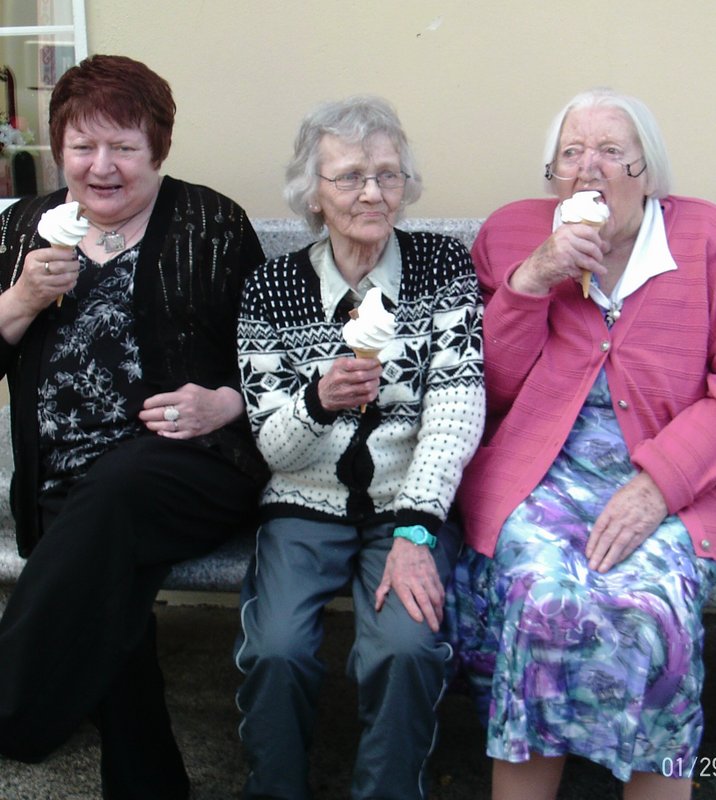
(475,82)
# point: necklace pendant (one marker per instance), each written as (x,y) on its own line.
(113,242)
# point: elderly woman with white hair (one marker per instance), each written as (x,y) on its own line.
(591,508)
(366,455)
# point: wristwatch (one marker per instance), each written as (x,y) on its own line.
(416,534)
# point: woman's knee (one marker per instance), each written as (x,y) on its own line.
(407,647)
(123,474)
(274,638)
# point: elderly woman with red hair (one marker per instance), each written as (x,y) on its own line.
(130,442)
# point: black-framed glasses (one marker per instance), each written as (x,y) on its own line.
(566,169)
(352,181)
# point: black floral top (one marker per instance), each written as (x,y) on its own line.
(90,387)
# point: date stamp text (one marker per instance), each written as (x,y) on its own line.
(696,767)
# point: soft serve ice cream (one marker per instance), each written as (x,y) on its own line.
(589,208)
(370,328)
(63,226)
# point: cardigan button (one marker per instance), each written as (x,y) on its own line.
(623,404)
(706,544)
(604,346)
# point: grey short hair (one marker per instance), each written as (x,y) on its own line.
(658,167)
(353,120)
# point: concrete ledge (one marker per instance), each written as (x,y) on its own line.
(10,561)
(223,570)
(279,236)
(220,571)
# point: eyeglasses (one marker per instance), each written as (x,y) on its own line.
(352,181)
(566,166)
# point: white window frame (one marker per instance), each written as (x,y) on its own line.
(79,36)
(78,30)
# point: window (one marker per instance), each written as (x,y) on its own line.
(39,40)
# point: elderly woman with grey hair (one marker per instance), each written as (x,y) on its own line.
(365,453)
(591,509)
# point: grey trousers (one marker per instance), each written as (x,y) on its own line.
(399,664)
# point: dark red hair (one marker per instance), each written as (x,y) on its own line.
(123,91)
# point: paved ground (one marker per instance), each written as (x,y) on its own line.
(196,644)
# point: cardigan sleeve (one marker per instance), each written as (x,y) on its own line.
(287,420)
(18,236)
(453,408)
(247,254)
(681,457)
(8,353)
(516,325)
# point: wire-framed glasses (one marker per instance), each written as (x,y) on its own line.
(352,181)
(612,165)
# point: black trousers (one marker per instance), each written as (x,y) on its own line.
(77,638)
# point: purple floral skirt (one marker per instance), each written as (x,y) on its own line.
(567,660)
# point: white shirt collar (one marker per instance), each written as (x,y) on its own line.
(334,287)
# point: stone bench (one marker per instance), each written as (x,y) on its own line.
(223,570)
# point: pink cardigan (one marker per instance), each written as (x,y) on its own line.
(542,355)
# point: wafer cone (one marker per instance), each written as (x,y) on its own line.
(586,280)
(367,352)
(587,274)
(69,251)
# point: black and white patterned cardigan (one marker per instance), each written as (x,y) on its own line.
(402,460)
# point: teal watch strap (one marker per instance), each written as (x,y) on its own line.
(416,534)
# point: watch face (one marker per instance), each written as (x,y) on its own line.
(421,537)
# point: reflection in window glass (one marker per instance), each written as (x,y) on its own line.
(37,44)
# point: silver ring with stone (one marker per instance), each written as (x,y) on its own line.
(171,414)
(47,267)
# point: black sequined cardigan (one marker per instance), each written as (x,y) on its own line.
(197,250)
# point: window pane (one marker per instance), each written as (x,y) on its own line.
(31,61)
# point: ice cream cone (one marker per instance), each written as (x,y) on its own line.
(585,207)
(365,352)
(64,227)
(587,274)
(69,251)
(369,324)
(586,280)
(361,352)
